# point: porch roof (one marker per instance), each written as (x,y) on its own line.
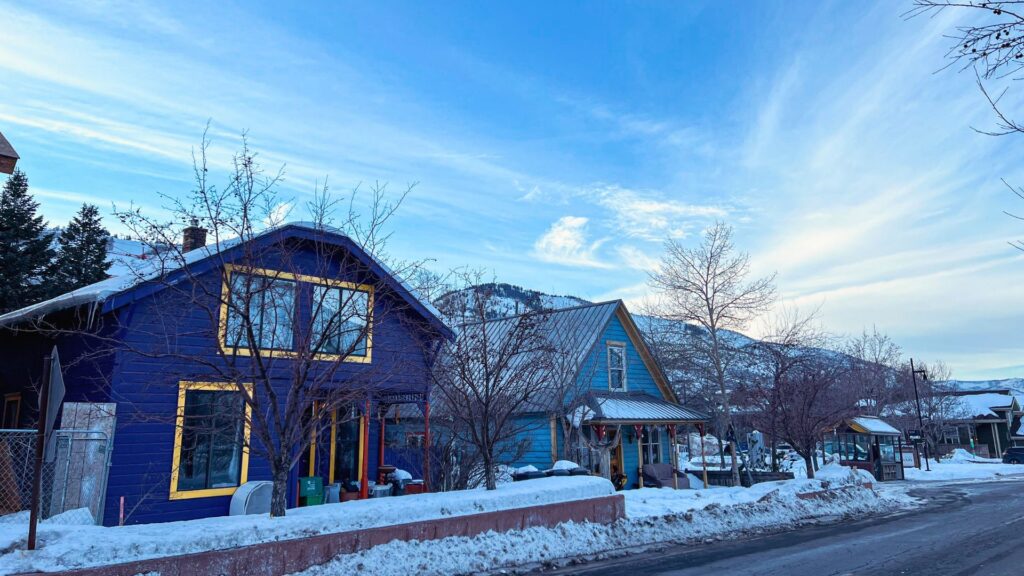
(632,408)
(873,425)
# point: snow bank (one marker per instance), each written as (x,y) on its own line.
(961,456)
(654,516)
(63,547)
(565,465)
(954,471)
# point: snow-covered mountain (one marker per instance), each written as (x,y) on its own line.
(509,299)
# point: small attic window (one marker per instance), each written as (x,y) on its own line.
(616,366)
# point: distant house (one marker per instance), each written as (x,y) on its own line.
(8,157)
(171,460)
(984,421)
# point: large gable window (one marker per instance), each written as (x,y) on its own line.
(210,444)
(341,317)
(616,366)
(266,305)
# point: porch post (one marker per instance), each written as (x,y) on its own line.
(364,484)
(426,447)
(639,454)
(380,452)
(673,454)
(995,438)
(703,462)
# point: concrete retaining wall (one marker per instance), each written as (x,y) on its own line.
(286,556)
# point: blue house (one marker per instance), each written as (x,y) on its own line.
(170,368)
(619,398)
(607,406)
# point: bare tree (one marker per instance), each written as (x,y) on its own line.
(234,320)
(791,340)
(939,402)
(491,375)
(811,399)
(992,45)
(874,370)
(708,286)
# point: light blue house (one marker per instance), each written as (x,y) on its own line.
(612,409)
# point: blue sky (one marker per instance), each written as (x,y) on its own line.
(560,143)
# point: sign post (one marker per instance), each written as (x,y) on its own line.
(51,394)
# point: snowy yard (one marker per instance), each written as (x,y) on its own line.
(69,545)
(654,516)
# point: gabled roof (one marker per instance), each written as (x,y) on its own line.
(6,149)
(113,293)
(576,332)
(983,405)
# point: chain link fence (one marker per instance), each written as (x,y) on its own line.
(73,484)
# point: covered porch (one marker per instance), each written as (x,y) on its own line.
(630,433)
(346,456)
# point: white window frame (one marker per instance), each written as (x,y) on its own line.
(652,446)
(621,348)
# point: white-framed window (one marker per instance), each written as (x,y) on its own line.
(650,444)
(616,366)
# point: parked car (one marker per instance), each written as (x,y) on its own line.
(1013,456)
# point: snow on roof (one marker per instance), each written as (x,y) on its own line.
(148,269)
(874,425)
(633,407)
(983,405)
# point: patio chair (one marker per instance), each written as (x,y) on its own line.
(660,476)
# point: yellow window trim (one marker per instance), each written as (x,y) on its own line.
(222,330)
(183,387)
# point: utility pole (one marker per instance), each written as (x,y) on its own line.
(920,420)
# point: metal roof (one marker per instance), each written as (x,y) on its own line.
(632,407)
(873,425)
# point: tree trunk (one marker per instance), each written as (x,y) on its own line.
(279,494)
(721,451)
(809,462)
(734,456)
(490,478)
(775,461)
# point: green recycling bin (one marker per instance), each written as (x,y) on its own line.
(311,491)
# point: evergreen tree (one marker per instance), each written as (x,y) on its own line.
(25,253)
(82,252)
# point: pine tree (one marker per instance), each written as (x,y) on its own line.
(82,252)
(25,253)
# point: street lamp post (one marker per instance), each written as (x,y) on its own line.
(920,420)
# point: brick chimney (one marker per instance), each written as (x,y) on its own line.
(193,237)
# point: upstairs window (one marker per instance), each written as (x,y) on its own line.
(269,305)
(341,317)
(210,453)
(616,366)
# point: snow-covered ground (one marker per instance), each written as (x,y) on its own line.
(63,545)
(953,471)
(655,516)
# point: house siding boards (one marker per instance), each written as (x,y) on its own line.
(146,388)
(594,375)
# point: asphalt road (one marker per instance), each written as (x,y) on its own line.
(965,529)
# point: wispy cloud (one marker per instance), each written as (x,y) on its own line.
(566,242)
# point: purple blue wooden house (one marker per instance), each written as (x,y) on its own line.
(165,470)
